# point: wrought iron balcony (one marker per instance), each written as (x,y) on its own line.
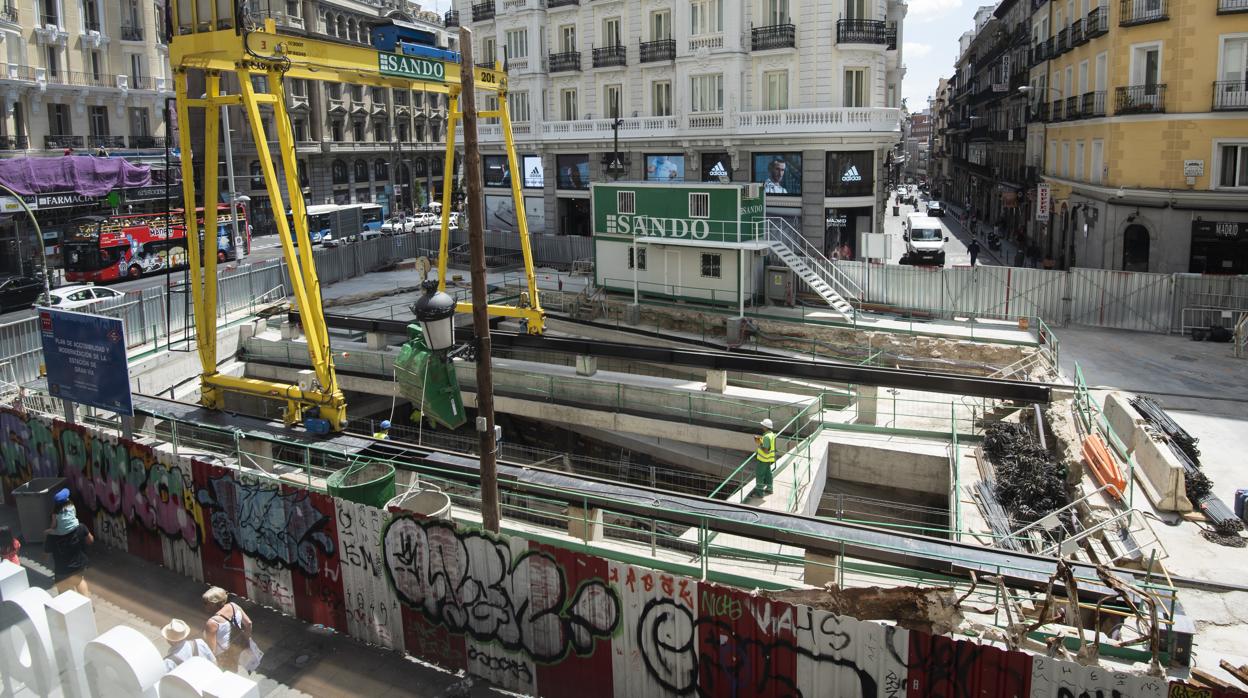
(660,50)
(774,36)
(1140,99)
(890,36)
(610,56)
(106,141)
(486,65)
(1225,7)
(1097,23)
(1230,95)
(1040,112)
(1077,36)
(147,142)
(860,31)
(451,18)
(561,62)
(1133,12)
(1061,43)
(131,33)
(9,14)
(561,3)
(1040,52)
(1058,110)
(64,140)
(13,143)
(1092,104)
(1072,108)
(483,11)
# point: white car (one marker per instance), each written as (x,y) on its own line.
(422,222)
(80,296)
(398,224)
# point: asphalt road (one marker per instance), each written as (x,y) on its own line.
(955,249)
(263,249)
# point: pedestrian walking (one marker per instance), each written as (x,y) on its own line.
(1018,257)
(973,248)
(764,458)
(227,630)
(9,545)
(182,646)
(69,558)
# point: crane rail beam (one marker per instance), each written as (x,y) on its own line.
(750,362)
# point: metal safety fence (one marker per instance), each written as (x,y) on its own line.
(1125,300)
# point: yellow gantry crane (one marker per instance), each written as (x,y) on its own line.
(216,38)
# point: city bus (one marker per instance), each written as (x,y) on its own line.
(370,217)
(100,249)
(337,221)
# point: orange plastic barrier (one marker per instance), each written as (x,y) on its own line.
(1104,468)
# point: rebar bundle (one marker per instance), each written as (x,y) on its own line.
(1030,482)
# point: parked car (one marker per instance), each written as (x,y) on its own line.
(80,296)
(398,224)
(422,222)
(17,292)
(328,240)
(934,208)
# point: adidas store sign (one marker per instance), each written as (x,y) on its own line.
(719,170)
(851,175)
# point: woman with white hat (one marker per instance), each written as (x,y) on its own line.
(181,646)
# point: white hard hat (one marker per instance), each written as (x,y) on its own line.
(767,424)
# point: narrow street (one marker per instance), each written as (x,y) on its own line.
(959,238)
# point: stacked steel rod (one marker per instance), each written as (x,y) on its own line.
(1199,487)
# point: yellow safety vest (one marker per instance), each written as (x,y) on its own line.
(381,435)
(766,451)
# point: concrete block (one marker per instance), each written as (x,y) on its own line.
(868,404)
(13,580)
(1122,418)
(1164,472)
(716,381)
(584,524)
(586,365)
(377,341)
(258,453)
(822,570)
(632,314)
(289,331)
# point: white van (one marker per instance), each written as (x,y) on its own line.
(925,241)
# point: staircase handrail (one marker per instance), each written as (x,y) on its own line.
(824,267)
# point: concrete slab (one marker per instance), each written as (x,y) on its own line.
(913,463)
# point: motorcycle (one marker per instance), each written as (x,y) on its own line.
(994,241)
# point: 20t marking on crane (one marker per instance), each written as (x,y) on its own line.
(410,67)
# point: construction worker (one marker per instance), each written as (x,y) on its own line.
(764,458)
(384,431)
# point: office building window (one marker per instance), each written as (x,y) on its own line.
(567,105)
(707,92)
(661,98)
(855,87)
(776,83)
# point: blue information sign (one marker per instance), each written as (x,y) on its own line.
(85,356)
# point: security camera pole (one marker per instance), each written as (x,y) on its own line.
(480,300)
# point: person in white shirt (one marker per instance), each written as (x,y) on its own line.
(181,647)
(664,169)
(775,177)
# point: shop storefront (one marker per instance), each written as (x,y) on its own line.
(1219,247)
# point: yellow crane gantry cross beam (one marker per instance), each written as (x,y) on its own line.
(202,47)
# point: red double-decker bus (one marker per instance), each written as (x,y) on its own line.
(109,248)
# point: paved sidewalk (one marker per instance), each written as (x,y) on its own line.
(299,660)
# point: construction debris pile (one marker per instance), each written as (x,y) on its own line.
(1198,486)
(1029,481)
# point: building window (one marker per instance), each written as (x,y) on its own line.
(1146,66)
(381,131)
(706,17)
(661,98)
(357,93)
(611,31)
(1098,162)
(300,127)
(489,50)
(1234,64)
(776,83)
(855,87)
(661,25)
(138,71)
(707,92)
(381,170)
(51,61)
(139,124)
(404,131)
(710,265)
(357,131)
(335,131)
(518,103)
(700,205)
(611,97)
(361,171)
(777,12)
(626,202)
(567,105)
(567,38)
(59,123)
(51,12)
(339,171)
(1052,168)
(91,15)
(1079,153)
(97,121)
(641,258)
(1066,159)
(1233,165)
(97,66)
(257,178)
(517,43)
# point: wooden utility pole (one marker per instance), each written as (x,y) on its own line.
(480,301)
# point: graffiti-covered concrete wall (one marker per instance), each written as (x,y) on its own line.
(531,617)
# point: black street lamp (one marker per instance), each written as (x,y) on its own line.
(435,311)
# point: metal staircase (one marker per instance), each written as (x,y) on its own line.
(820,273)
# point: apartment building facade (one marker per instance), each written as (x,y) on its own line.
(917,141)
(1144,105)
(354,144)
(797,95)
